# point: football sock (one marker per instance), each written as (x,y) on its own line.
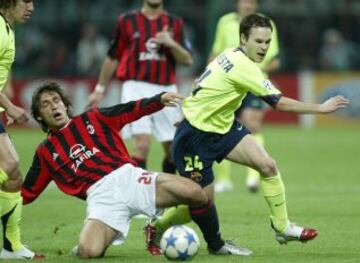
(207,220)
(168,166)
(141,162)
(273,191)
(11,206)
(176,215)
(252,173)
(222,170)
(3,176)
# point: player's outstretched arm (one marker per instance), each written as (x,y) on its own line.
(171,99)
(331,105)
(121,114)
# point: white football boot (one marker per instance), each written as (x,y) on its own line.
(229,248)
(23,253)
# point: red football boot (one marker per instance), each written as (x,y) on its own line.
(151,240)
(295,233)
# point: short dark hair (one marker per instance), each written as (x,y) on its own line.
(251,21)
(35,103)
(6,4)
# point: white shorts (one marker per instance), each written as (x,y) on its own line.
(161,123)
(119,196)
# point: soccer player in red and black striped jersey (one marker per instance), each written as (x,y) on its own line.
(86,157)
(147,46)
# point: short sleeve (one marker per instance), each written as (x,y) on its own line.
(251,78)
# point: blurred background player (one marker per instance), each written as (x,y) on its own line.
(251,112)
(147,46)
(12,12)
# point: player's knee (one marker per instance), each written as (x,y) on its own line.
(269,167)
(88,250)
(196,196)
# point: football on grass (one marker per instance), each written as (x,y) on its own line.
(179,242)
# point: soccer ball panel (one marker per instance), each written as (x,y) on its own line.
(179,243)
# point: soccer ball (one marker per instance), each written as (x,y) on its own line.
(179,242)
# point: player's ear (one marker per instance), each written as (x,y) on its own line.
(243,39)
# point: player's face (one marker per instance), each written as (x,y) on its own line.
(153,3)
(247,7)
(256,46)
(53,111)
(22,11)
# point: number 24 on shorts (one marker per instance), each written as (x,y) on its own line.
(193,163)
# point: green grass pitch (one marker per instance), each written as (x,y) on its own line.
(321,170)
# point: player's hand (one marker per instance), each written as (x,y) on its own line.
(171,99)
(333,104)
(16,115)
(164,37)
(94,98)
(12,185)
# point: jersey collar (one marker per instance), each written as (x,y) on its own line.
(8,26)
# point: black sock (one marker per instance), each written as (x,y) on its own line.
(168,166)
(207,219)
(140,162)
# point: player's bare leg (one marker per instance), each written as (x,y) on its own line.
(252,118)
(95,238)
(11,203)
(248,152)
(173,190)
(9,159)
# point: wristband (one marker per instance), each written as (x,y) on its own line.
(99,88)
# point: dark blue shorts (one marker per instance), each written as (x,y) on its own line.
(194,151)
(2,128)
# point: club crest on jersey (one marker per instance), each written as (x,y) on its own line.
(90,128)
(196,176)
(55,156)
(152,51)
(267,84)
(136,35)
(79,153)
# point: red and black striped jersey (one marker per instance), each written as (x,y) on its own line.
(140,56)
(88,148)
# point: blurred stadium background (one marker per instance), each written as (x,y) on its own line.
(320,165)
(68,40)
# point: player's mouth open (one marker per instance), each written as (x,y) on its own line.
(57,116)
